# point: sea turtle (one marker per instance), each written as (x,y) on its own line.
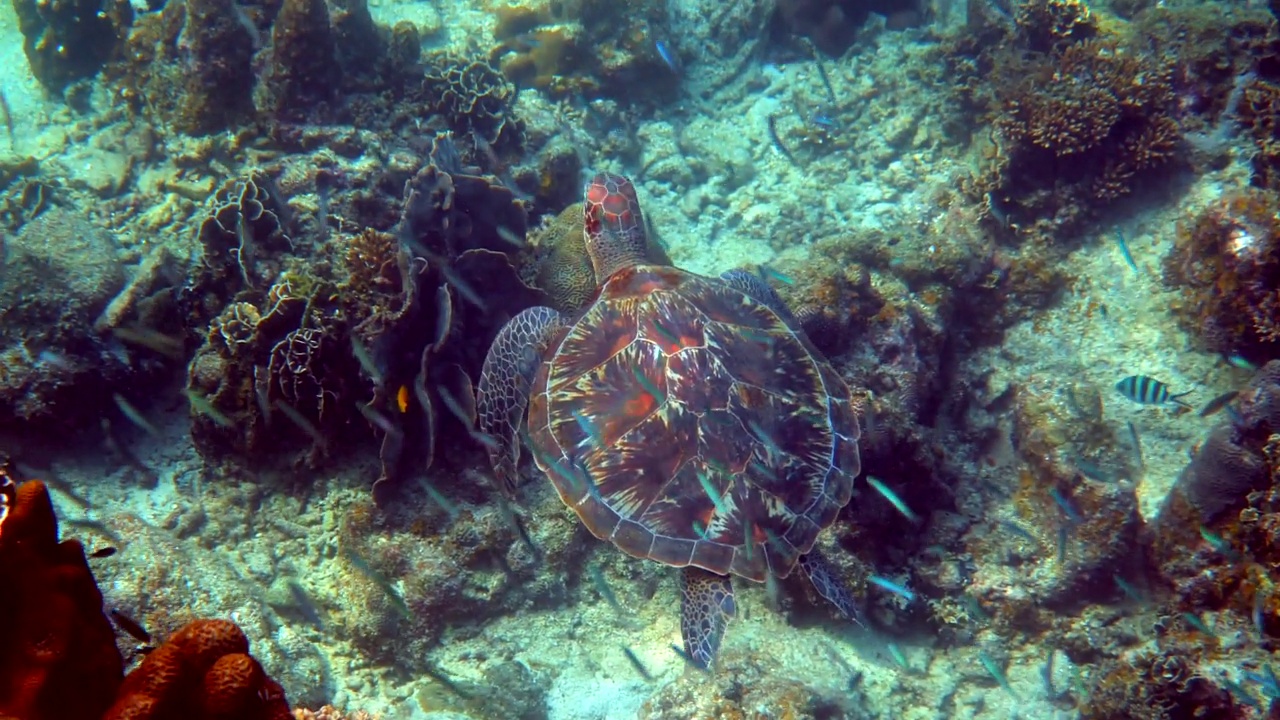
(686,419)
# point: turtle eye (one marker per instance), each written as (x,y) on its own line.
(591,219)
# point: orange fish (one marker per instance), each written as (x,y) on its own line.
(402,399)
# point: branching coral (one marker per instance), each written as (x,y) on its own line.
(1260,113)
(1046,24)
(1226,261)
(1080,127)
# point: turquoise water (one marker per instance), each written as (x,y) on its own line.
(254,256)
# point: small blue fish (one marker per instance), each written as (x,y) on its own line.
(1148,391)
(1065,505)
(767,272)
(893,499)
(1219,543)
(669,56)
(1124,251)
(1219,403)
(1018,530)
(996,672)
(1129,590)
(636,664)
(823,120)
(892,587)
(1268,681)
(899,658)
(1198,624)
(1239,362)
(1241,694)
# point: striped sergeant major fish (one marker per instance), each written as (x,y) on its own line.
(1148,391)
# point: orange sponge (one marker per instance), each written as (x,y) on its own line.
(59,657)
(203,672)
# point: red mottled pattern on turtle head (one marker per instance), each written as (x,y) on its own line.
(613,225)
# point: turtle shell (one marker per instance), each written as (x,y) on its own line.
(687,423)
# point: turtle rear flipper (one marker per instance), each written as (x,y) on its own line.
(503,396)
(829,585)
(706,604)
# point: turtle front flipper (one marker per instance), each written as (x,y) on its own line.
(706,604)
(754,287)
(503,396)
(829,585)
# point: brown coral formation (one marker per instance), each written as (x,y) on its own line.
(190,67)
(312,350)
(1229,489)
(1260,114)
(1226,262)
(587,47)
(1080,127)
(303,70)
(69,40)
(245,219)
(1047,24)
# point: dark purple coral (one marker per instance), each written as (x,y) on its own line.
(1231,463)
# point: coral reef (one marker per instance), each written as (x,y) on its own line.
(69,40)
(245,221)
(62,271)
(474,101)
(59,658)
(1259,109)
(189,67)
(1224,261)
(303,71)
(1046,25)
(1079,128)
(588,48)
(1228,488)
(1164,684)
(363,330)
(1221,473)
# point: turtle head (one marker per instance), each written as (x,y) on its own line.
(612,225)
